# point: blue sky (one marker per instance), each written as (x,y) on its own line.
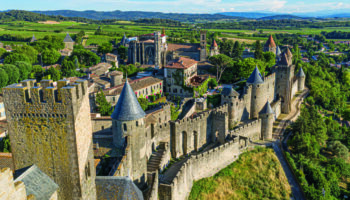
(183,6)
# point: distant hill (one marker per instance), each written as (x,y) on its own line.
(278,17)
(134,15)
(340,15)
(250,15)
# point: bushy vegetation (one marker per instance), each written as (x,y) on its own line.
(255,175)
(5,145)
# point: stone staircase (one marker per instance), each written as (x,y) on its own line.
(156,157)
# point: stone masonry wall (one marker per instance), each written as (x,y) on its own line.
(294,87)
(197,167)
(251,130)
(10,189)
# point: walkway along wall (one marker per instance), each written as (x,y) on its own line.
(197,167)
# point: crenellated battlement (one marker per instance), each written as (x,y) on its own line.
(270,77)
(29,98)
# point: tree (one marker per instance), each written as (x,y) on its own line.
(12,72)
(226,47)
(103,106)
(237,51)
(122,52)
(3,78)
(258,54)
(29,51)
(143,103)
(54,73)
(24,68)
(245,67)
(14,57)
(105,48)
(48,42)
(212,83)
(50,56)
(5,145)
(221,62)
(269,58)
(339,149)
(37,72)
(2,52)
(85,57)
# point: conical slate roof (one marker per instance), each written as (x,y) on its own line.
(229,91)
(255,77)
(270,42)
(289,53)
(301,73)
(278,51)
(267,109)
(123,41)
(33,39)
(127,108)
(68,38)
(284,59)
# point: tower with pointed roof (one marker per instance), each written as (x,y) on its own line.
(68,42)
(33,39)
(214,49)
(301,79)
(258,98)
(128,127)
(284,79)
(270,45)
(267,117)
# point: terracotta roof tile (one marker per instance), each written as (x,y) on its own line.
(270,42)
(181,63)
(135,85)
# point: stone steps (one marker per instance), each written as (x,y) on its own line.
(154,161)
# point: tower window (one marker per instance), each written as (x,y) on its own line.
(137,123)
(125,127)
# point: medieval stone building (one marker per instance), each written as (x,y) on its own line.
(214,49)
(68,42)
(51,128)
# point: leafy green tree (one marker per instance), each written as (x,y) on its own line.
(85,57)
(122,52)
(48,42)
(24,68)
(269,58)
(221,62)
(50,56)
(339,149)
(213,83)
(3,78)
(237,51)
(12,72)
(68,68)
(2,52)
(226,47)
(54,73)
(143,102)
(103,106)
(29,51)
(258,54)
(14,57)
(5,145)
(37,72)
(105,48)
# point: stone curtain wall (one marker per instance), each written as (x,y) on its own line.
(270,84)
(197,167)
(165,157)
(101,124)
(294,87)
(276,107)
(251,130)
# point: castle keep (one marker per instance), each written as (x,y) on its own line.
(51,127)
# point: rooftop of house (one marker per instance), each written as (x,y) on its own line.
(181,63)
(214,44)
(68,38)
(37,182)
(121,188)
(135,85)
(183,47)
(229,91)
(100,69)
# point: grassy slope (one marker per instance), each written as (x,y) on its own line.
(255,175)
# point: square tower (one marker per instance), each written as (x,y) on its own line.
(51,128)
(203,46)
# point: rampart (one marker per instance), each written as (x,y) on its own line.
(250,130)
(294,86)
(276,107)
(197,167)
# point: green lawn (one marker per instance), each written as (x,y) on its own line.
(255,175)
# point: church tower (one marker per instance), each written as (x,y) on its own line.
(203,46)
(50,127)
(128,127)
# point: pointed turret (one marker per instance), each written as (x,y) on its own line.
(214,45)
(270,43)
(289,53)
(128,108)
(123,41)
(255,77)
(33,39)
(68,38)
(278,51)
(284,59)
(301,73)
(267,109)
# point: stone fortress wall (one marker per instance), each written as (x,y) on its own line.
(197,167)
(53,121)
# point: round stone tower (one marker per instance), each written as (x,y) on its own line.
(116,78)
(258,97)
(267,117)
(301,79)
(128,128)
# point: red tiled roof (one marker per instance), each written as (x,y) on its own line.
(270,42)
(181,63)
(183,47)
(152,34)
(215,44)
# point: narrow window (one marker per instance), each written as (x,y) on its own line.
(125,128)
(137,123)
